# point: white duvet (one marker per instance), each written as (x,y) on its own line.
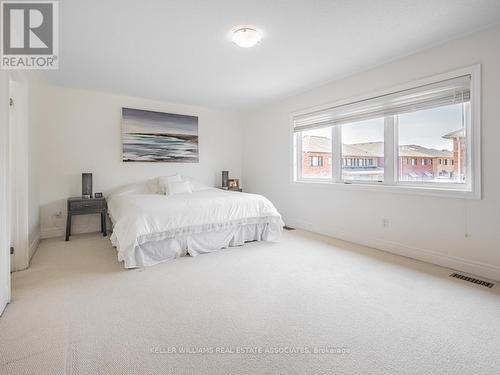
(144,219)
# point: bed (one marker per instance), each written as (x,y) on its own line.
(151,225)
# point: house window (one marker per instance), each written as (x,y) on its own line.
(316,161)
(385,139)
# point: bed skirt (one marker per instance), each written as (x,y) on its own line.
(155,251)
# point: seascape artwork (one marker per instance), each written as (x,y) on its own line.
(159,137)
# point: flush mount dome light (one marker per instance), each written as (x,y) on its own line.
(246,37)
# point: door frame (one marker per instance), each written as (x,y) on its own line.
(4,192)
(14,163)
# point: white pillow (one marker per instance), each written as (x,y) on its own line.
(163,182)
(137,188)
(179,187)
(195,184)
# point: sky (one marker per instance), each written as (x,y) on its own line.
(139,121)
(424,128)
(363,131)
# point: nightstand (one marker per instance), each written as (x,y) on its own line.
(86,206)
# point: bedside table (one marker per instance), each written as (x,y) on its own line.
(86,206)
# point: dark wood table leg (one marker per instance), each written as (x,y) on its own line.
(68,226)
(103,223)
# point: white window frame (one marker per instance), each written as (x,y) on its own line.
(470,190)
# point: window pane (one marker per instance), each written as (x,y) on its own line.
(432,146)
(363,150)
(317,153)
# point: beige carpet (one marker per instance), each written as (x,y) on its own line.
(76,311)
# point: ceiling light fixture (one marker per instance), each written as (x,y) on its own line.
(246,37)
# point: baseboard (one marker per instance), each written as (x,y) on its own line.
(34,245)
(53,232)
(428,256)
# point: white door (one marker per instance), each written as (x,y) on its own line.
(18,178)
(4,193)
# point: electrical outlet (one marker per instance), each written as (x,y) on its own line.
(58,215)
(385,223)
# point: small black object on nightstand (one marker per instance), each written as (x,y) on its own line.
(86,206)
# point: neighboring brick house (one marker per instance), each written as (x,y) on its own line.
(317,156)
(419,163)
(363,160)
(366,160)
(459,152)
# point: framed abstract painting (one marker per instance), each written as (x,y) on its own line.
(159,137)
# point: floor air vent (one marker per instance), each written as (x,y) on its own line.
(472,280)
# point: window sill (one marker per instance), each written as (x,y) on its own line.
(442,192)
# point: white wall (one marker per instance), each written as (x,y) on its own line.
(35,118)
(463,234)
(81,132)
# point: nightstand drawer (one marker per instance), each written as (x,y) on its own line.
(91,204)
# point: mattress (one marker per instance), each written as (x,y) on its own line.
(152,228)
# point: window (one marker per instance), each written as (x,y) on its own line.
(423,136)
(316,146)
(360,140)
